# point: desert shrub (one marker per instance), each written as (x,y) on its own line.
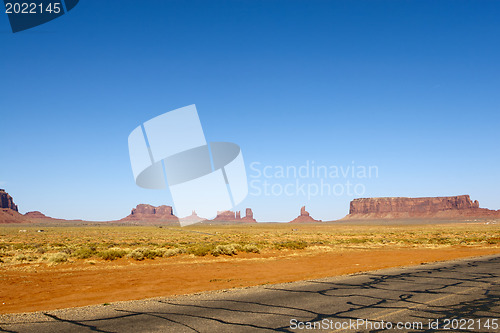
(19,246)
(251,248)
(84,252)
(200,249)
(56,258)
(151,254)
(358,240)
(40,249)
(441,240)
(21,257)
(24,257)
(494,241)
(168,244)
(67,250)
(226,250)
(292,245)
(137,254)
(58,245)
(144,253)
(172,252)
(112,254)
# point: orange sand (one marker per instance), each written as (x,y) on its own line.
(27,288)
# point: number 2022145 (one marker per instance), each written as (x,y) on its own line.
(32,8)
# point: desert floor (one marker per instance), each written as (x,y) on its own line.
(82,265)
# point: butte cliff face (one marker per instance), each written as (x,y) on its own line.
(6,201)
(9,210)
(304,217)
(438,207)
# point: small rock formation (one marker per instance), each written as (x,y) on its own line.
(149,212)
(36,215)
(230,216)
(438,207)
(6,201)
(304,217)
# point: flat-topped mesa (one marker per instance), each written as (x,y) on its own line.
(143,211)
(441,207)
(304,217)
(6,201)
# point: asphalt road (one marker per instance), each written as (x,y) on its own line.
(465,294)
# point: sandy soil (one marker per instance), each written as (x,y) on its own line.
(27,288)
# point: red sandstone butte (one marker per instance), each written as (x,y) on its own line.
(433,207)
(304,217)
(230,216)
(9,210)
(248,216)
(148,212)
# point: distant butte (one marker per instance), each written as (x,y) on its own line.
(432,207)
(193,218)
(304,217)
(151,213)
(230,216)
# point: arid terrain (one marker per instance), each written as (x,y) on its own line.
(66,266)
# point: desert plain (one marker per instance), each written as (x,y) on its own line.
(52,266)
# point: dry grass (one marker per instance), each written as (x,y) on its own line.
(72,243)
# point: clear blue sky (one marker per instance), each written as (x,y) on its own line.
(412,87)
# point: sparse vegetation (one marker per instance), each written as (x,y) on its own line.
(97,243)
(291,245)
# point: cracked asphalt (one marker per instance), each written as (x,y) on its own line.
(453,296)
